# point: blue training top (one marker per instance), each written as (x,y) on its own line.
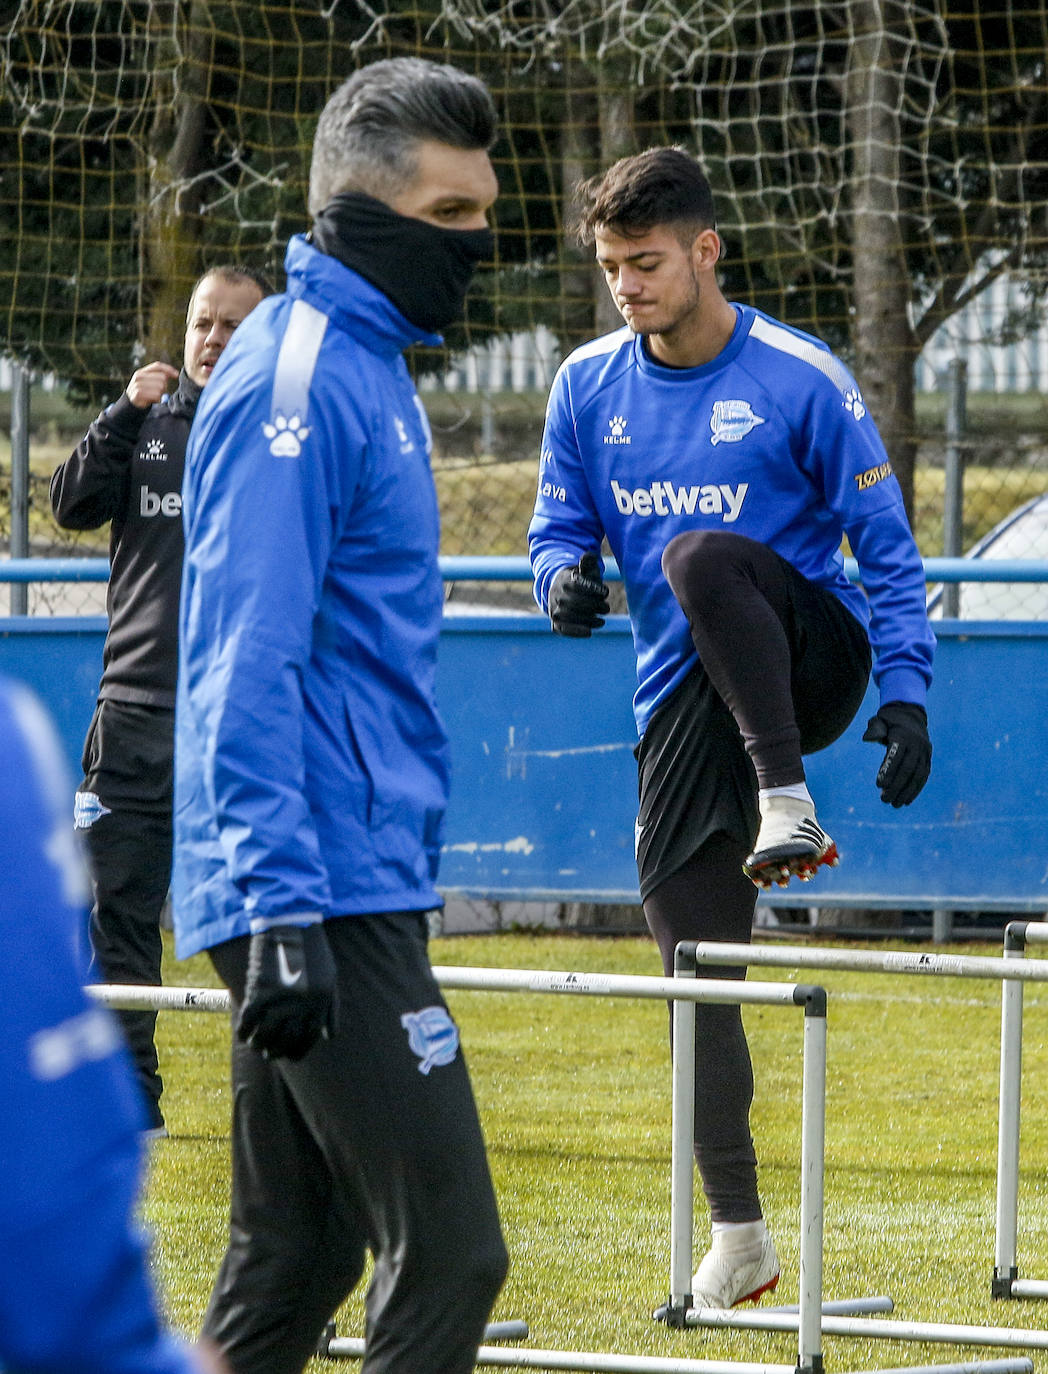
(311,763)
(74,1285)
(770,440)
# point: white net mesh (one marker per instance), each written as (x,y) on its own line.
(880,168)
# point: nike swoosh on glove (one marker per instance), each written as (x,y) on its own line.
(578,599)
(903,727)
(290,996)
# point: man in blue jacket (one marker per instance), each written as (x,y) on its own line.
(724,457)
(311,763)
(75,1291)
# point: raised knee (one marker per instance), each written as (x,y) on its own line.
(691,561)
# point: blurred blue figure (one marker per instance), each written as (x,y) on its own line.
(74,1286)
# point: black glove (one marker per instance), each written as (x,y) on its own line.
(290,997)
(903,727)
(578,599)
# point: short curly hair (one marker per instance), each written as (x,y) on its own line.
(659,186)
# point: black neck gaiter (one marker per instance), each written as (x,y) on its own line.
(423,269)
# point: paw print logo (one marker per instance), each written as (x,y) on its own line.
(286,436)
(406,446)
(617,425)
(154,451)
(853,402)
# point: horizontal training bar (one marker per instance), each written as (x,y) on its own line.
(874,1328)
(844,1307)
(481,568)
(872,961)
(1028,1288)
(724,990)
(128,997)
(143,997)
(1010,1364)
(350,1347)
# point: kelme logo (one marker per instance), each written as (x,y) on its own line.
(617,431)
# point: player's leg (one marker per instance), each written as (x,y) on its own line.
(404,1117)
(128,856)
(123,812)
(697,818)
(761,630)
(297,1241)
(710,898)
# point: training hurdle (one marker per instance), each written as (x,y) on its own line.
(683,991)
(692,954)
(810,1318)
(1006,1281)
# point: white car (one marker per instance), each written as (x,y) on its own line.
(1023,534)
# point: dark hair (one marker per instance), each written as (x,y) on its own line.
(658,186)
(369,128)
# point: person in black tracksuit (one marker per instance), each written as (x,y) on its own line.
(127,469)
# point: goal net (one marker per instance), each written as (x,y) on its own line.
(880,167)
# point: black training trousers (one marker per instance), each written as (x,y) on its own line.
(126,832)
(362,1144)
(783,669)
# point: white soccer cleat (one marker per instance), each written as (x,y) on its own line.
(721,1280)
(790,844)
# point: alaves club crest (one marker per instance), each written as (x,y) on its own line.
(432,1035)
(732,421)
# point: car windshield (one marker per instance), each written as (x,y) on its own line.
(1024,534)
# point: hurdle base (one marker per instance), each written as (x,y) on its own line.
(331,1346)
(674,1314)
(1001,1285)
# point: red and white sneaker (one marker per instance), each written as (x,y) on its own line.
(722,1280)
(790,844)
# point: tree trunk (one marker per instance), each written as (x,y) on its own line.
(171,229)
(617,139)
(885,348)
(578,155)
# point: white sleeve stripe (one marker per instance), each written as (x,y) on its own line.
(776,337)
(596,348)
(297,359)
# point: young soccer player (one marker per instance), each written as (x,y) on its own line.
(724,456)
